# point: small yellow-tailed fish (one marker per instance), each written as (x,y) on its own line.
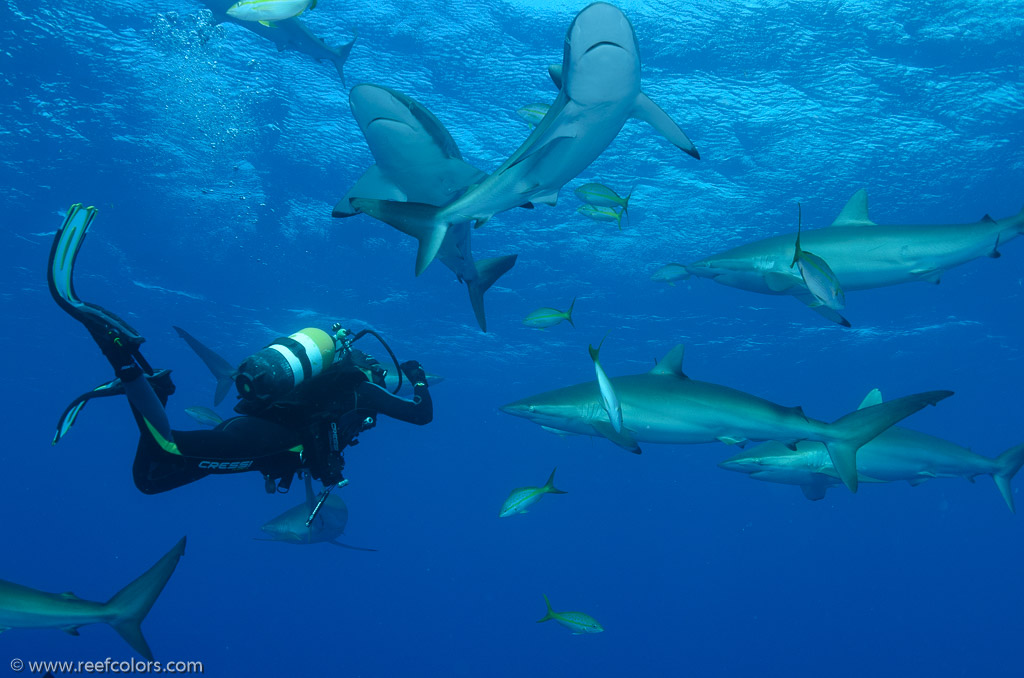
(598,213)
(821,282)
(523,497)
(608,397)
(670,273)
(533,113)
(579,623)
(600,195)
(204,415)
(268,11)
(549,317)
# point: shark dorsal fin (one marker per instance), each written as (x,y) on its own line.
(856,211)
(671,364)
(871,399)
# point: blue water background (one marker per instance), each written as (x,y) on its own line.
(215,161)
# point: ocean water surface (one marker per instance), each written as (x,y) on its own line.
(215,160)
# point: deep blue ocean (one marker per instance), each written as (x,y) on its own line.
(215,160)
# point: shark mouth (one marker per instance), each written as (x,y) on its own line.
(604,43)
(386,119)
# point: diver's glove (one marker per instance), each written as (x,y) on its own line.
(414,372)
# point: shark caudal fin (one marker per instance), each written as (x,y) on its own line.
(488,271)
(340,55)
(846,435)
(223,371)
(132,603)
(1009,463)
(419,220)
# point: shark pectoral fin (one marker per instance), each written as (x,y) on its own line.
(69,595)
(347,546)
(856,211)
(914,482)
(555,73)
(460,175)
(546,142)
(547,199)
(71,630)
(648,111)
(930,275)
(622,438)
(814,304)
(729,440)
(423,222)
(995,253)
(814,491)
(780,282)
(373,184)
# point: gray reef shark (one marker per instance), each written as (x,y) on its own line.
(600,90)
(25,608)
(418,161)
(666,406)
(329,524)
(896,454)
(862,254)
(288,34)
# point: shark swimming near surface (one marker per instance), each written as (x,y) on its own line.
(896,454)
(862,254)
(599,91)
(418,161)
(22,607)
(329,524)
(287,34)
(666,406)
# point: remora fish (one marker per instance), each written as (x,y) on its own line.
(329,524)
(670,273)
(266,11)
(225,374)
(579,623)
(861,254)
(599,91)
(25,608)
(608,398)
(533,113)
(546,316)
(522,498)
(288,34)
(204,415)
(418,161)
(818,277)
(896,454)
(666,406)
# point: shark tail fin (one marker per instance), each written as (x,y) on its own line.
(1009,463)
(549,486)
(849,433)
(568,314)
(550,614)
(340,55)
(131,604)
(421,221)
(223,371)
(488,271)
(799,224)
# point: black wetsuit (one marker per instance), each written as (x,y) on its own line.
(307,430)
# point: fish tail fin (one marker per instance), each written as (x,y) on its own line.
(131,604)
(549,486)
(1009,463)
(846,435)
(568,314)
(488,271)
(618,218)
(426,223)
(625,206)
(799,223)
(340,54)
(550,614)
(223,371)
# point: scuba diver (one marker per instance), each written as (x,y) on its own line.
(302,400)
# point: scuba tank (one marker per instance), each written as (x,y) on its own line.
(276,370)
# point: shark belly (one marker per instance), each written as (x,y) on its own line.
(903,454)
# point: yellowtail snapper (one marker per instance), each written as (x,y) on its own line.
(598,213)
(579,623)
(533,113)
(608,397)
(670,273)
(267,11)
(522,498)
(204,415)
(600,195)
(821,282)
(549,317)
